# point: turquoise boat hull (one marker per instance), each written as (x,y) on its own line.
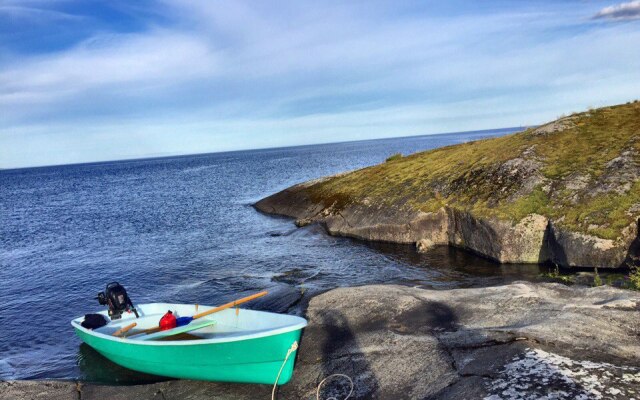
(245,346)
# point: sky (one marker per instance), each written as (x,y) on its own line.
(89,80)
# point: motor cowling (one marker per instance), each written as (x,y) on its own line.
(116,298)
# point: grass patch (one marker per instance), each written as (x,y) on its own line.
(556,276)
(633,280)
(609,212)
(473,176)
(597,281)
(537,202)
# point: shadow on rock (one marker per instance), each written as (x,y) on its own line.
(551,251)
(342,355)
(633,255)
(403,343)
(387,349)
(429,316)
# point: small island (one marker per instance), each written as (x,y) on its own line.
(567,193)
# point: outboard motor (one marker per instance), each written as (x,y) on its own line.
(115,296)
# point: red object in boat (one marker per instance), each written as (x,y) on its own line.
(168,321)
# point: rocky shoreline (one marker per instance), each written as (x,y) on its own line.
(566,193)
(535,239)
(517,341)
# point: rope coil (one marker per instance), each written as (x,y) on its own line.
(329,377)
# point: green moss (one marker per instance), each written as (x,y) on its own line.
(469,177)
(537,202)
(608,212)
(394,157)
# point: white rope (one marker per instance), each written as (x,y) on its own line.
(329,377)
(294,347)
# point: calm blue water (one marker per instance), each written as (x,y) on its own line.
(182,229)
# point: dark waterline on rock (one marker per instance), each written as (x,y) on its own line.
(182,229)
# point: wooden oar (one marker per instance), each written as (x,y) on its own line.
(124,329)
(229,305)
(186,320)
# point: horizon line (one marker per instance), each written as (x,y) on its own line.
(157,157)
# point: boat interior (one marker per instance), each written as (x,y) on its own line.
(228,324)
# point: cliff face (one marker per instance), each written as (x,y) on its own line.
(566,192)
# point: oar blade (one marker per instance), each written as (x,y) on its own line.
(182,321)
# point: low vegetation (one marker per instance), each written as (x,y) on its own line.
(394,157)
(581,171)
(597,281)
(630,280)
(634,279)
(556,276)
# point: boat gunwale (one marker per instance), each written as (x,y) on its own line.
(75,323)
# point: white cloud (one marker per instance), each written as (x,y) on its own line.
(225,75)
(622,11)
(197,132)
(35,11)
(33,14)
(156,58)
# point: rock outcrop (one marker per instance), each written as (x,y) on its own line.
(521,340)
(566,193)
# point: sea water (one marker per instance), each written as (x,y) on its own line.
(182,230)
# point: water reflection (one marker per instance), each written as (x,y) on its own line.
(94,367)
(455,267)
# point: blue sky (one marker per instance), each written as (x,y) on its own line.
(101,80)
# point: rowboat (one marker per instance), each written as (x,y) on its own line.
(232,345)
